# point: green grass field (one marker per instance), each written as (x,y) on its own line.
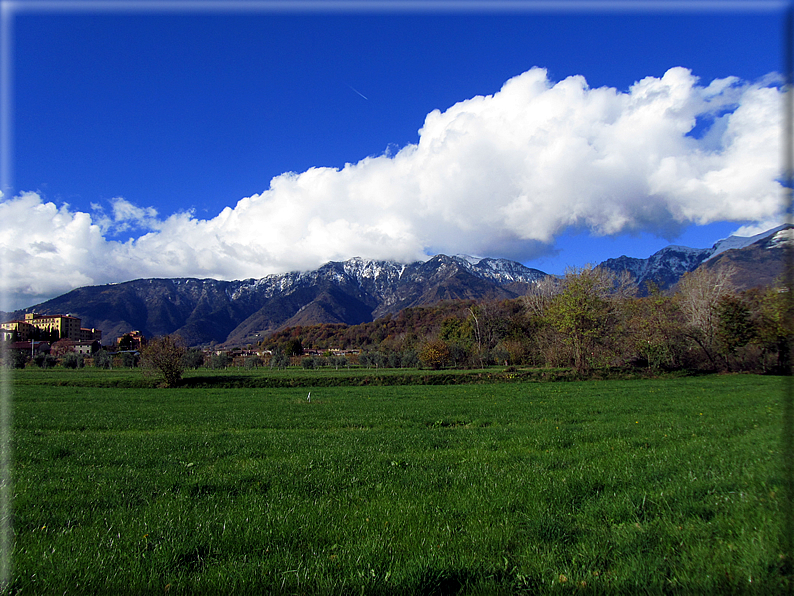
(599,487)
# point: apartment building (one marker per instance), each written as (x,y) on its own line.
(65,326)
(59,326)
(20,330)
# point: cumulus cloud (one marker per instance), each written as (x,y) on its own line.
(124,216)
(499,175)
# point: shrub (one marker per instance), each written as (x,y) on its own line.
(279,359)
(72,360)
(500,355)
(193,359)
(16,359)
(252,362)
(129,359)
(409,359)
(337,361)
(163,357)
(103,359)
(218,361)
(45,360)
(394,360)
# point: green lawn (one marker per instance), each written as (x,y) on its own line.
(647,486)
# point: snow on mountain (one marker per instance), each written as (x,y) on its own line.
(781,238)
(470,259)
(736,242)
(358,290)
(665,267)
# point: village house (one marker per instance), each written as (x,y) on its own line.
(133,340)
(31,347)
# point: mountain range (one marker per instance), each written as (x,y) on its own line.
(754,263)
(207,311)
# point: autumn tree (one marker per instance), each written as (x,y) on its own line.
(62,347)
(774,328)
(655,331)
(434,353)
(586,311)
(163,357)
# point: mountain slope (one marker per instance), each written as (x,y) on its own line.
(241,312)
(358,290)
(755,265)
(663,268)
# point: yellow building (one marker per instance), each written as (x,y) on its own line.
(23,329)
(65,326)
(90,334)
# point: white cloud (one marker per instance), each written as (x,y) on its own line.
(754,229)
(125,216)
(499,175)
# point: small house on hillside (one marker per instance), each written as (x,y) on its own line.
(30,347)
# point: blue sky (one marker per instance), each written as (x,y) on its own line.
(134,131)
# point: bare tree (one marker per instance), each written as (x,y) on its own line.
(163,356)
(539,295)
(699,293)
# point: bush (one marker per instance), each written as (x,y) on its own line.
(103,359)
(163,356)
(252,362)
(394,360)
(16,359)
(409,359)
(129,359)
(458,353)
(45,360)
(72,360)
(337,361)
(279,359)
(193,359)
(500,355)
(218,361)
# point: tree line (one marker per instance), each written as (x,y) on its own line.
(589,318)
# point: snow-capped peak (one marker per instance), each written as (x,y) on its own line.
(470,259)
(735,242)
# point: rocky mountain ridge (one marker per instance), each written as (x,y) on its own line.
(209,311)
(239,312)
(665,267)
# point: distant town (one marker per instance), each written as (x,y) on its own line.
(38,332)
(47,340)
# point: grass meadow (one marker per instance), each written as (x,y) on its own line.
(665,486)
